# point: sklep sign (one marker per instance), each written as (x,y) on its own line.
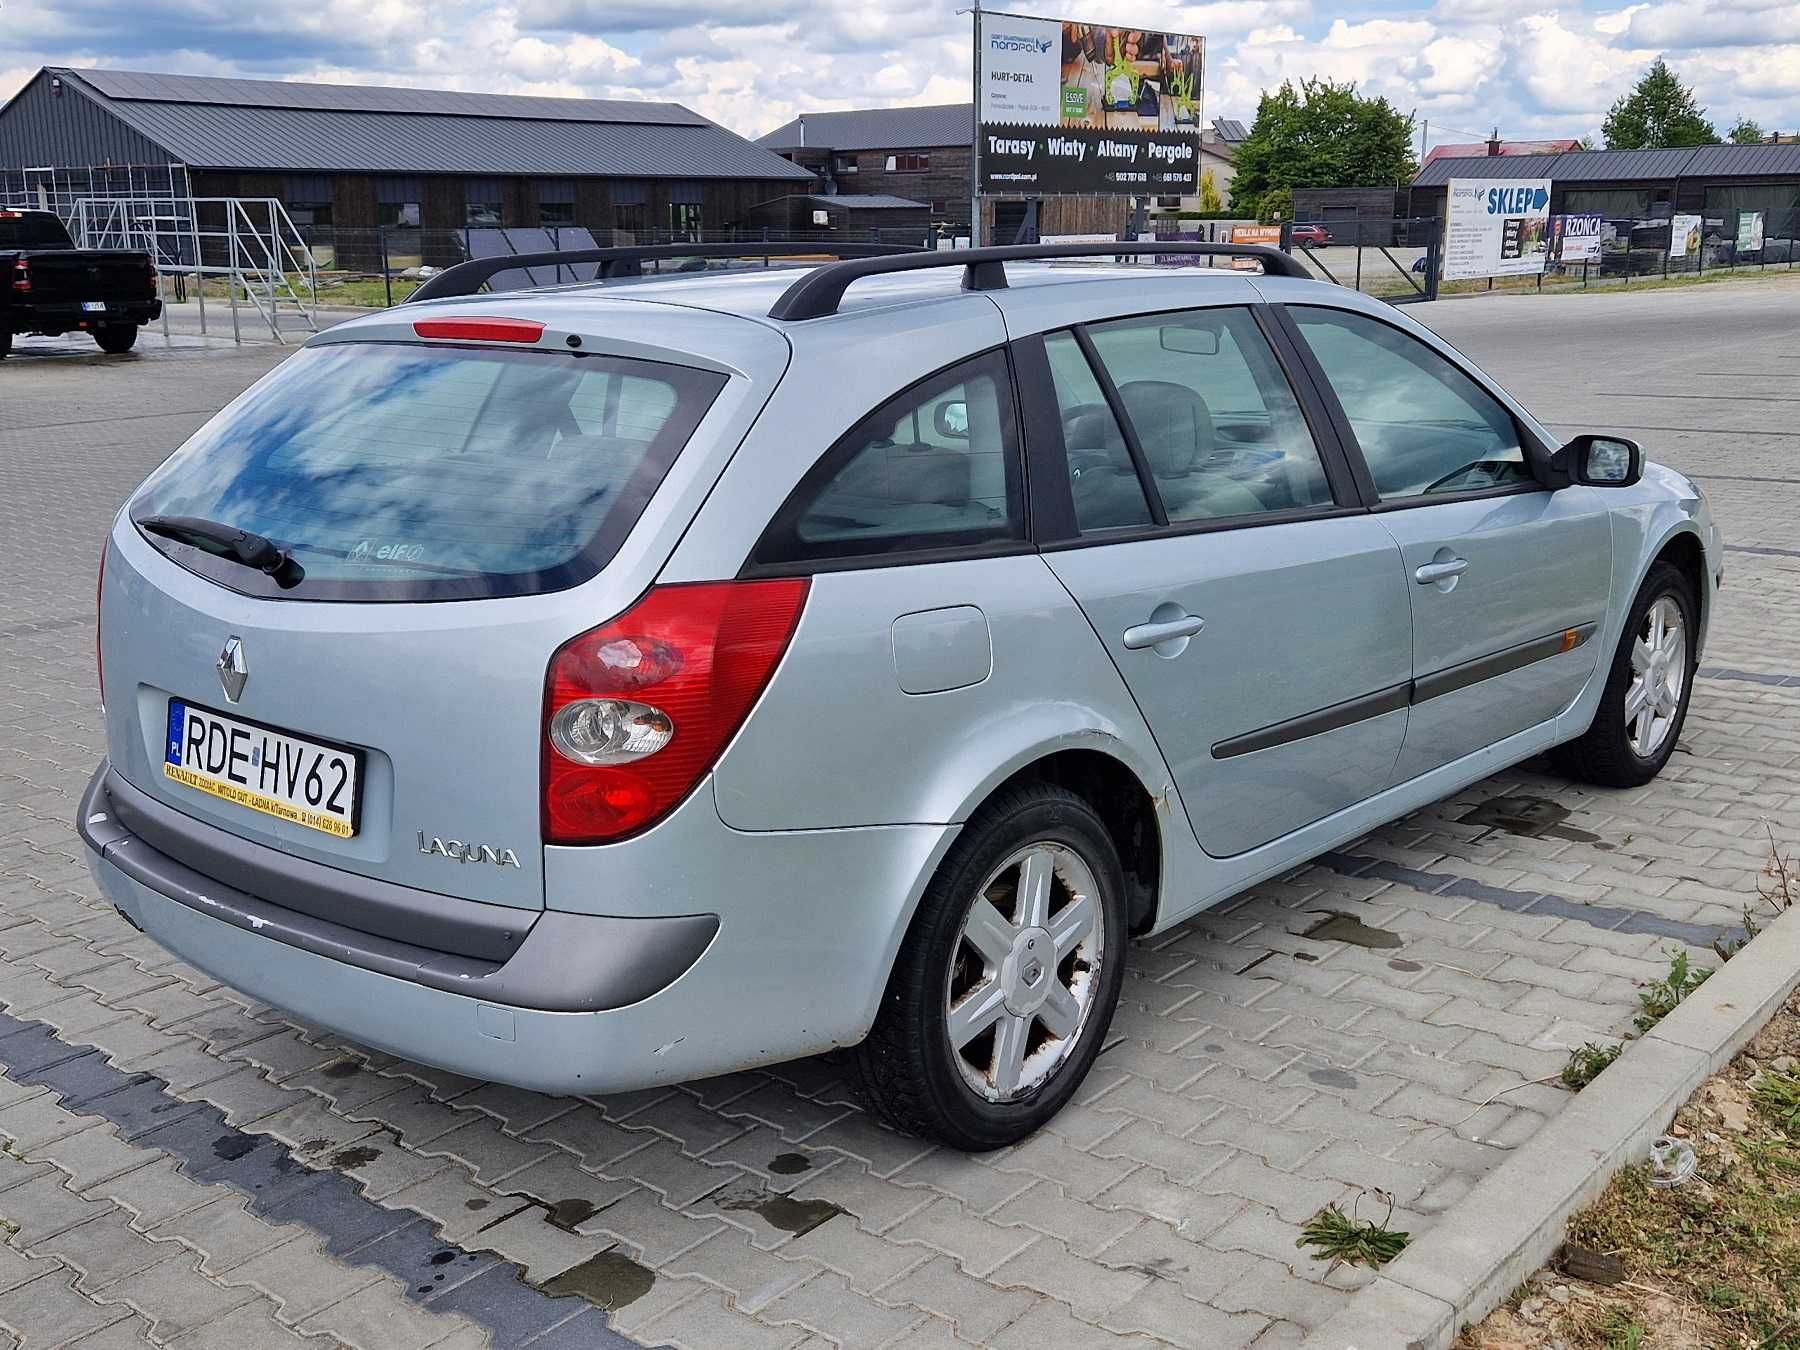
(1496,228)
(1086,108)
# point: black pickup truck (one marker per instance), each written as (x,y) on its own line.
(49,286)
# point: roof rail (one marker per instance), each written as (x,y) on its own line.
(467,278)
(818,293)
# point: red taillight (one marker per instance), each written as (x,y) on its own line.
(673,677)
(21,275)
(480,330)
(99,595)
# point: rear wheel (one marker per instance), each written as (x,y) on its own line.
(116,337)
(1646,698)
(1003,991)
(5,342)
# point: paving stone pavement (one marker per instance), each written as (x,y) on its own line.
(1385,1017)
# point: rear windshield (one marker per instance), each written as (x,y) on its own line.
(32,230)
(395,472)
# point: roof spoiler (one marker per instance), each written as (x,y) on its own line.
(467,278)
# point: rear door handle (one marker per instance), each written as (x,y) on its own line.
(1440,571)
(1151,634)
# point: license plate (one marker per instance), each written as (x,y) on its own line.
(308,782)
(93,306)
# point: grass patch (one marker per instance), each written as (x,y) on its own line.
(1713,1262)
(1586,1063)
(1662,997)
(1342,1239)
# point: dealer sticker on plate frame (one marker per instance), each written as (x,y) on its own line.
(311,783)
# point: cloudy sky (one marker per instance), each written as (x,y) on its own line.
(1533,67)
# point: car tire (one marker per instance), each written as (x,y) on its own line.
(1029,1027)
(6,338)
(116,338)
(1622,748)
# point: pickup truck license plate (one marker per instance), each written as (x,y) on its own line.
(93,306)
(310,783)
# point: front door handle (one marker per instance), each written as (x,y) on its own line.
(1157,632)
(1433,572)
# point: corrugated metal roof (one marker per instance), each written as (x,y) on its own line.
(1625,166)
(1733,161)
(1441,171)
(876,129)
(867,201)
(218,134)
(140,85)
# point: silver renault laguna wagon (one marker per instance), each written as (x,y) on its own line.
(600,686)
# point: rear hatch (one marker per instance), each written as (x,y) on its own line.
(74,275)
(451,513)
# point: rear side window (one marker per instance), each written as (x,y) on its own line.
(397,472)
(1102,479)
(935,467)
(1219,427)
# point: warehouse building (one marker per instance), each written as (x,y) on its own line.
(417,165)
(1717,182)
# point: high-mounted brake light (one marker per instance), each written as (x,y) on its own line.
(637,710)
(480,329)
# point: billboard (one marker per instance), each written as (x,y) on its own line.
(1496,228)
(1576,239)
(1750,232)
(1086,108)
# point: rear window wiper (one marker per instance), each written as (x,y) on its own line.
(230,543)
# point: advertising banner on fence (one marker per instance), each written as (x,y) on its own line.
(1684,236)
(1750,232)
(1267,235)
(1086,108)
(1576,239)
(1496,228)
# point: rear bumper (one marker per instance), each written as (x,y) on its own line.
(587,1003)
(63,315)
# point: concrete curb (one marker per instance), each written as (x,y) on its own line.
(1513,1219)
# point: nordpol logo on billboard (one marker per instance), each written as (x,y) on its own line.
(1087,108)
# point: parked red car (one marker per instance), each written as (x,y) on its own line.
(1313,236)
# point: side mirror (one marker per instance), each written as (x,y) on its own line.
(1599,461)
(952,420)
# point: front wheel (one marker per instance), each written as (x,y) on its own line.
(116,338)
(1002,993)
(1645,702)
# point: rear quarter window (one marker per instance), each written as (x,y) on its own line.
(395,472)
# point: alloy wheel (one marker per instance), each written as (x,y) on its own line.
(1025,971)
(1659,673)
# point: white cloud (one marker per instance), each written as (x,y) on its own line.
(1550,67)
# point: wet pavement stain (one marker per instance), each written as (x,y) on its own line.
(1532,817)
(231,1146)
(565,1214)
(1409,967)
(611,1279)
(343,1068)
(1339,927)
(1336,1078)
(358,1156)
(790,1164)
(476,1204)
(781,1211)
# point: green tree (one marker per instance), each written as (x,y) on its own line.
(1660,111)
(1210,200)
(1745,131)
(1322,134)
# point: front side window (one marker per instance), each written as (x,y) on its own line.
(1214,416)
(935,467)
(395,472)
(1424,426)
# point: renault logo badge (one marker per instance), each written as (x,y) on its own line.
(233,669)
